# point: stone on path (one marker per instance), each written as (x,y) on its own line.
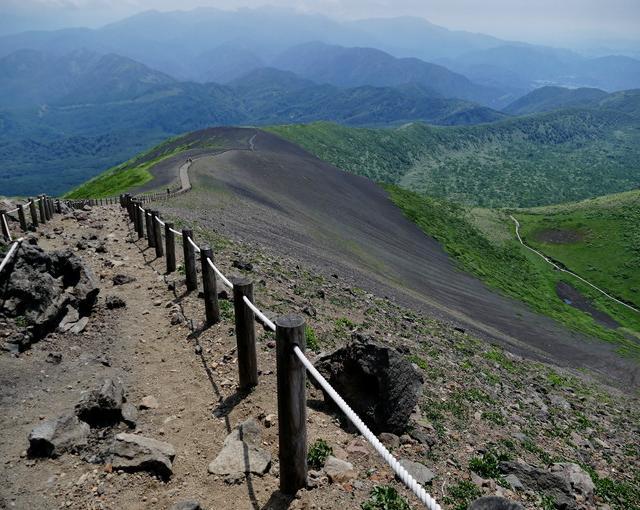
(338,470)
(242,453)
(102,405)
(186,505)
(420,472)
(113,302)
(79,326)
(149,402)
(55,437)
(121,279)
(129,415)
(130,452)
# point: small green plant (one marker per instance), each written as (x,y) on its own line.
(498,356)
(384,497)
(312,340)
(414,358)
(547,502)
(226,309)
(21,321)
(556,379)
(461,495)
(180,268)
(343,325)
(487,466)
(493,417)
(318,453)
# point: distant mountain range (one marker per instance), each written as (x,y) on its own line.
(208,44)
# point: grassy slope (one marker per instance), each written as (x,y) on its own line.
(135,172)
(608,253)
(523,162)
(483,242)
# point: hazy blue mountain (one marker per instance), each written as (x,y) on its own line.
(408,36)
(551,98)
(226,63)
(354,67)
(527,67)
(29,77)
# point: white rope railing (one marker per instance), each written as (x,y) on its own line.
(160,221)
(217,271)
(195,246)
(176,232)
(10,253)
(402,473)
(260,315)
(13,210)
(6,227)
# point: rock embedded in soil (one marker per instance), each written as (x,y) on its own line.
(45,287)
(79,326)
(131,452)
(378,382)
(338,470)
(186,505)
(242,452)
(420,472)
(55,437)
(562,483)
(121,279)
(129,414)
(102,405)
(113,302)
(149,402)
(495,503)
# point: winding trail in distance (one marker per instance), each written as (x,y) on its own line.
(557,267)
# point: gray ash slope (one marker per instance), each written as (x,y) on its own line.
(296,205)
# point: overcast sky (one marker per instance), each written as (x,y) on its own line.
(531,20)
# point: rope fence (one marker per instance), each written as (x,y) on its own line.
(292,363)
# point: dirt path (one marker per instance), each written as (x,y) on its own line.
(191,372)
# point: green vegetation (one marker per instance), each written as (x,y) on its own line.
(136,171)
(311,339)
(385,497)
(483,243)
(488,464)
(581,237)
(318,453)
(461,494)
(521,162)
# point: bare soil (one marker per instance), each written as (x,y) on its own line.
(572,296)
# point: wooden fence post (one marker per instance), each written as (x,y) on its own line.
(4,225)
(245,333)
(43,217)
(34,213)
(157,232)
(151,237)
(292,404)
(50,207)
(209,285)
(171,247)
(58,206)
(138,219)
(189,260)
(22,218)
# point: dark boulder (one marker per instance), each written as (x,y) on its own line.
(43,285)
(379,383)
(102,406)
(122,279)
(130,452)
(55,437)
(113,302)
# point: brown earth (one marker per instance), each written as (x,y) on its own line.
(475,397)
(570,295)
